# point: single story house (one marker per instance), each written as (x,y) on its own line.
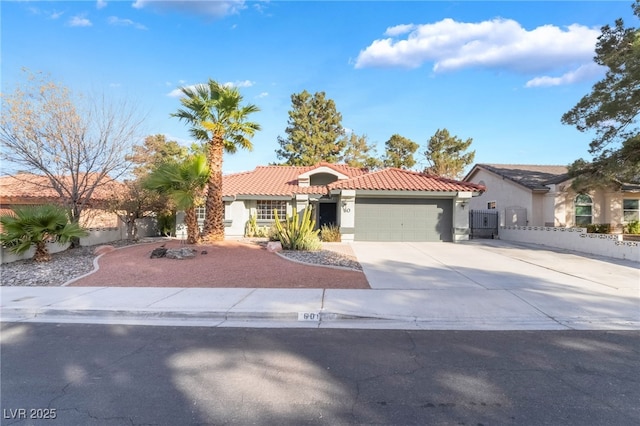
(385,205)
(539,195)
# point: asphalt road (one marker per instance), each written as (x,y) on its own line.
(132,375)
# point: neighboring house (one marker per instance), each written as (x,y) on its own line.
(30,189)
(537,195)
(385,205)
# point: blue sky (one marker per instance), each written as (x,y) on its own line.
(502,73)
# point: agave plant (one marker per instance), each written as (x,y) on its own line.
(35,226)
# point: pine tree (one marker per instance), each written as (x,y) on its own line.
(359,153)
(314,131)
(446,155)
(611,111)
(399,152)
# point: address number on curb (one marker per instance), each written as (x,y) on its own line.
(308,316)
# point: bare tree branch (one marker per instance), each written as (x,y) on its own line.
(79,143)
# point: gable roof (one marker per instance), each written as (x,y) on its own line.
(531,176)
(404,180)
(283,181)
(280,180)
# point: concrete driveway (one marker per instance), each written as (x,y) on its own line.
(491,282)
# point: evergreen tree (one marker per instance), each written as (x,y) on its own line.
(314,131)
(611,111)
(358,153)
(446,155)
(399,152)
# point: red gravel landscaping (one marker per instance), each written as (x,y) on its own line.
(226,264)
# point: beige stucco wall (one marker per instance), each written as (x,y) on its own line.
(505,193)
(607,207)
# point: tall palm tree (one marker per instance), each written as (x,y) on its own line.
(217,119)
(183,183)
(35,226)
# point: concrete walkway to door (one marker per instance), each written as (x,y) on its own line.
(491,281)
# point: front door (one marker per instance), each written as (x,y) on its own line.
(327,214)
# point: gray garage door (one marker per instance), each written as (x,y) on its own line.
(403,219)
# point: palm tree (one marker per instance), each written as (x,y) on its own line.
(35,226)
(218,120)
(184,183)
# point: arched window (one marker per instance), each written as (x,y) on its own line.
(584,210)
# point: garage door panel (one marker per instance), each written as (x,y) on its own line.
(409,219)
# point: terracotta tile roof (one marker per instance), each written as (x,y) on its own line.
(283,181)
(531,176)
(279,180)
(404,180)
(27,188)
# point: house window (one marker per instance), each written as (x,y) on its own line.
(584,207)
(491,205)
(200,213)
(630,210)
(265,209)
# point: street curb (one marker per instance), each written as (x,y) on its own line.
(328,319)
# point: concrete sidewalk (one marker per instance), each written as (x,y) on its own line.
(382,309)
(435,286)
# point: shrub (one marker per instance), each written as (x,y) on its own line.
(330,233)
(311,243)
(599,228)
(297,233)
(632,227)
(272,233)
(35,226)
(167,224)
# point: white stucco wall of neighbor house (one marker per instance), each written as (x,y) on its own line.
(509,197)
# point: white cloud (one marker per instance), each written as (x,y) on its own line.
(176,93)
(399,30)
(101,4)
(263,95)
(498,43)
(115,85)
(245,83)
(121,22)
(583,73)
(47,13)
(79,21)
(216,9)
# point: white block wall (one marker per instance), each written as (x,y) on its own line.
(576,239)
